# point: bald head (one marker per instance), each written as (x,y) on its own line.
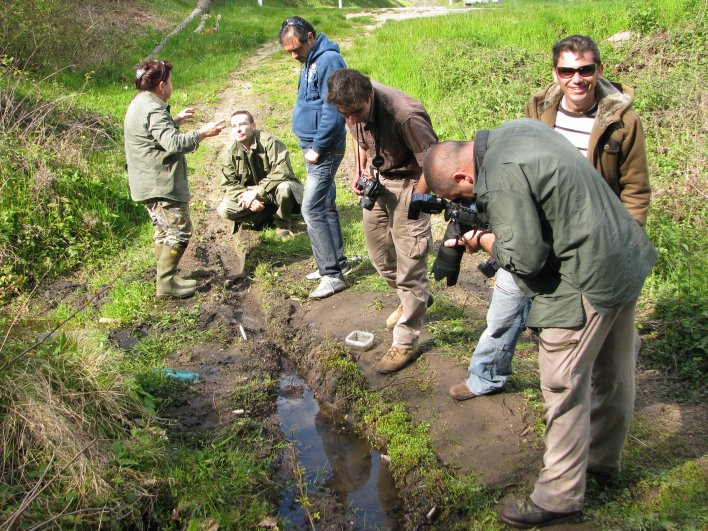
(447,164)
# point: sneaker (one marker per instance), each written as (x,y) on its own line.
(461,392)
(282,232)
(328,287)
(525,513)
(315,275)
(393,319)
(395,359)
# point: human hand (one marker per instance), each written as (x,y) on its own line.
(311,156)
(256,205)
(211,129)
(353,186)
(474,240)
(247,198)
(184,115)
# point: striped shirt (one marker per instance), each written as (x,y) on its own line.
(576,127)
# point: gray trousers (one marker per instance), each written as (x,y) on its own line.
(587,379)
(279,206)
(398,248)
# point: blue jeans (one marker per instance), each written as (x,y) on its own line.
(490,365)
(320,213)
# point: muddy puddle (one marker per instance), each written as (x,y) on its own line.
(336,462)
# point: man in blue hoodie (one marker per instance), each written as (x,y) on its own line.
(320,128)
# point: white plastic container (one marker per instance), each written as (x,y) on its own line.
(359,340)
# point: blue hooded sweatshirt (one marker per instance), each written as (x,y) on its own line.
(317,123)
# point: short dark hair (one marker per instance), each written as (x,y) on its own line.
(250,116)
(151,72)
(347,87)
(298,27)
(578,44)
(440,163)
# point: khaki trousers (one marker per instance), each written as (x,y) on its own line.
(398,248)
(587,379)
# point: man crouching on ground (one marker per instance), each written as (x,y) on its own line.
(258,180)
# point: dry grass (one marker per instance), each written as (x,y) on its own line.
(63,409)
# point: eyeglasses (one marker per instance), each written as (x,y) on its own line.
(293,21)
(565,72)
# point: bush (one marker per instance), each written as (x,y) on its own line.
(64,199)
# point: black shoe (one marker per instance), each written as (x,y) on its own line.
(602,477)
(524,514)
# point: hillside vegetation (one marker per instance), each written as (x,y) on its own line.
(81,439)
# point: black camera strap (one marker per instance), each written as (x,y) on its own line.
(480,148)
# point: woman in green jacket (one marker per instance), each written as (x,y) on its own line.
(157,169)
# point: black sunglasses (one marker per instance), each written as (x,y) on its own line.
(566,72)
(292,21)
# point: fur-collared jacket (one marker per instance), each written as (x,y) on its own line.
(617,147)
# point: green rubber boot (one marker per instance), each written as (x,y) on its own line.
(166,273)
(177,280)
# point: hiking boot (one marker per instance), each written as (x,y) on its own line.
(177,280)
(524,514)
(315,275)
(395,359)
(398,313)
(461,392)
(167,286)
(328,287)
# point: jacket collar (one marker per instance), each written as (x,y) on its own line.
(257,146)
(613,100)
(155,98)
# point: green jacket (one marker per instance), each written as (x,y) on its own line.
(265,166)
(560,229)
(617,147)
(154,150)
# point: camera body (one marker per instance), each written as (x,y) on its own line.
(370,187)
(462,219)
(489,267)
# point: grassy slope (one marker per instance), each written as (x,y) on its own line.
(480,73)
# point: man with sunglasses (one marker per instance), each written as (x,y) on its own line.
(595,115)
(320,129)
(391,132)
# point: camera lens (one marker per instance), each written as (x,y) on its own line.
(447,262)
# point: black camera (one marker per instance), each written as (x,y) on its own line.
(489,267)
(371,187)
(462,219)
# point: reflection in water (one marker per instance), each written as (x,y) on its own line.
(335,459)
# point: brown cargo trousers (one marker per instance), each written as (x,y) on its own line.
(398,247)
(587,379)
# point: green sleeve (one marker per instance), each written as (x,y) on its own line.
(166,132)
(280,168)
(520,247)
